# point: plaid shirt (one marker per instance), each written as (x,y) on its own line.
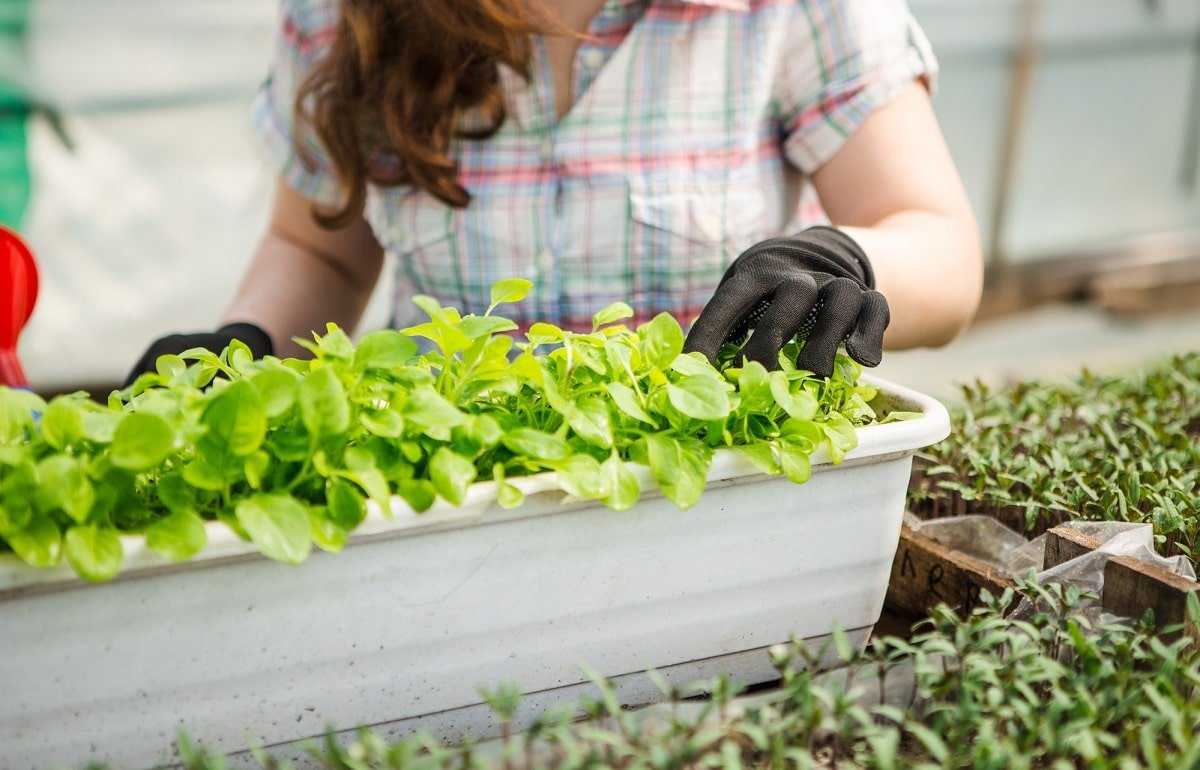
(693,123)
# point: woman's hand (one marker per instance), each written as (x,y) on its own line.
(818,284)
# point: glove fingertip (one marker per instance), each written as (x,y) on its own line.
(869,356)
(822,370)
(702,347)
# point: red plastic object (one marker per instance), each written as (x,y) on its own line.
(19,282)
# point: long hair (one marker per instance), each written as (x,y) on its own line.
(389,95)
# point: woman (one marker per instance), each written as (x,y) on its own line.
(639,150)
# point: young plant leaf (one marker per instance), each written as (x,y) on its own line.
(65,482)
(382,422)
(451,474)
(202,474)
(17,410)
(325,534)
(590,420)
(178,537)
(141,442)
(580,476)
(617,311)
(38,542)
(695,365)
(544,334)
(430,411)
(362,470)
(528,442)
(475,326)
(278,525)
(508,495)
(662,341)
(276,390)
(509,290)
(236,420)
(62,423)
(627,401)
(762,456)
(841,435)
(754,388)
(346,506)
(798,404)
(794,462)
(620,482)
(323,405)
(384,350)
(681,471)
(94,551)
(700,397)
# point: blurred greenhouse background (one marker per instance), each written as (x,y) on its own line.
(1075,124)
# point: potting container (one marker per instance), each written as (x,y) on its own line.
(400,629)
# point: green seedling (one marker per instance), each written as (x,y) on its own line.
(292,454)
(1118,448)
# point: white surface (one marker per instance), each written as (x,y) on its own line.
(418,612)
(1052,342)
(1102,150)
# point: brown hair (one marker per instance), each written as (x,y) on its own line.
(387,97)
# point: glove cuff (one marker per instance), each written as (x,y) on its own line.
(252,335)
(837,245)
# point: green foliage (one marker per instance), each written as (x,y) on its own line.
(292,453)
(1123,448)
(982,691)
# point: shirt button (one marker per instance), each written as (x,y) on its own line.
(546,149)
(593,58)
(396,232)
(545,261)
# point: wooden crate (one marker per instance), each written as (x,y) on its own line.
(1131,586)
(926,573)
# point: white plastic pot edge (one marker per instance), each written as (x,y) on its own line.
(875,442)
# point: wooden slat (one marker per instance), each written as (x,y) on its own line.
(1063,545)
(1131,587)
(926,573)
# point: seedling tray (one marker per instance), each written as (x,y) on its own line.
(399,630)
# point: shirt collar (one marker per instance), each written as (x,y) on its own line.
(725,5)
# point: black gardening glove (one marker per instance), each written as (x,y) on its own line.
(254,337)
(817,284)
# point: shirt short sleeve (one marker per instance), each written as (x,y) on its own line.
(304,33)
(843,60)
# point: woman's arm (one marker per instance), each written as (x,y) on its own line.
(303,276)
(894,188)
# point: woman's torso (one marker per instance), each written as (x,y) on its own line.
(668,164)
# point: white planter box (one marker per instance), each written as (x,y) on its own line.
(398,631)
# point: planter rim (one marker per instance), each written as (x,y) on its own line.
(875,443)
